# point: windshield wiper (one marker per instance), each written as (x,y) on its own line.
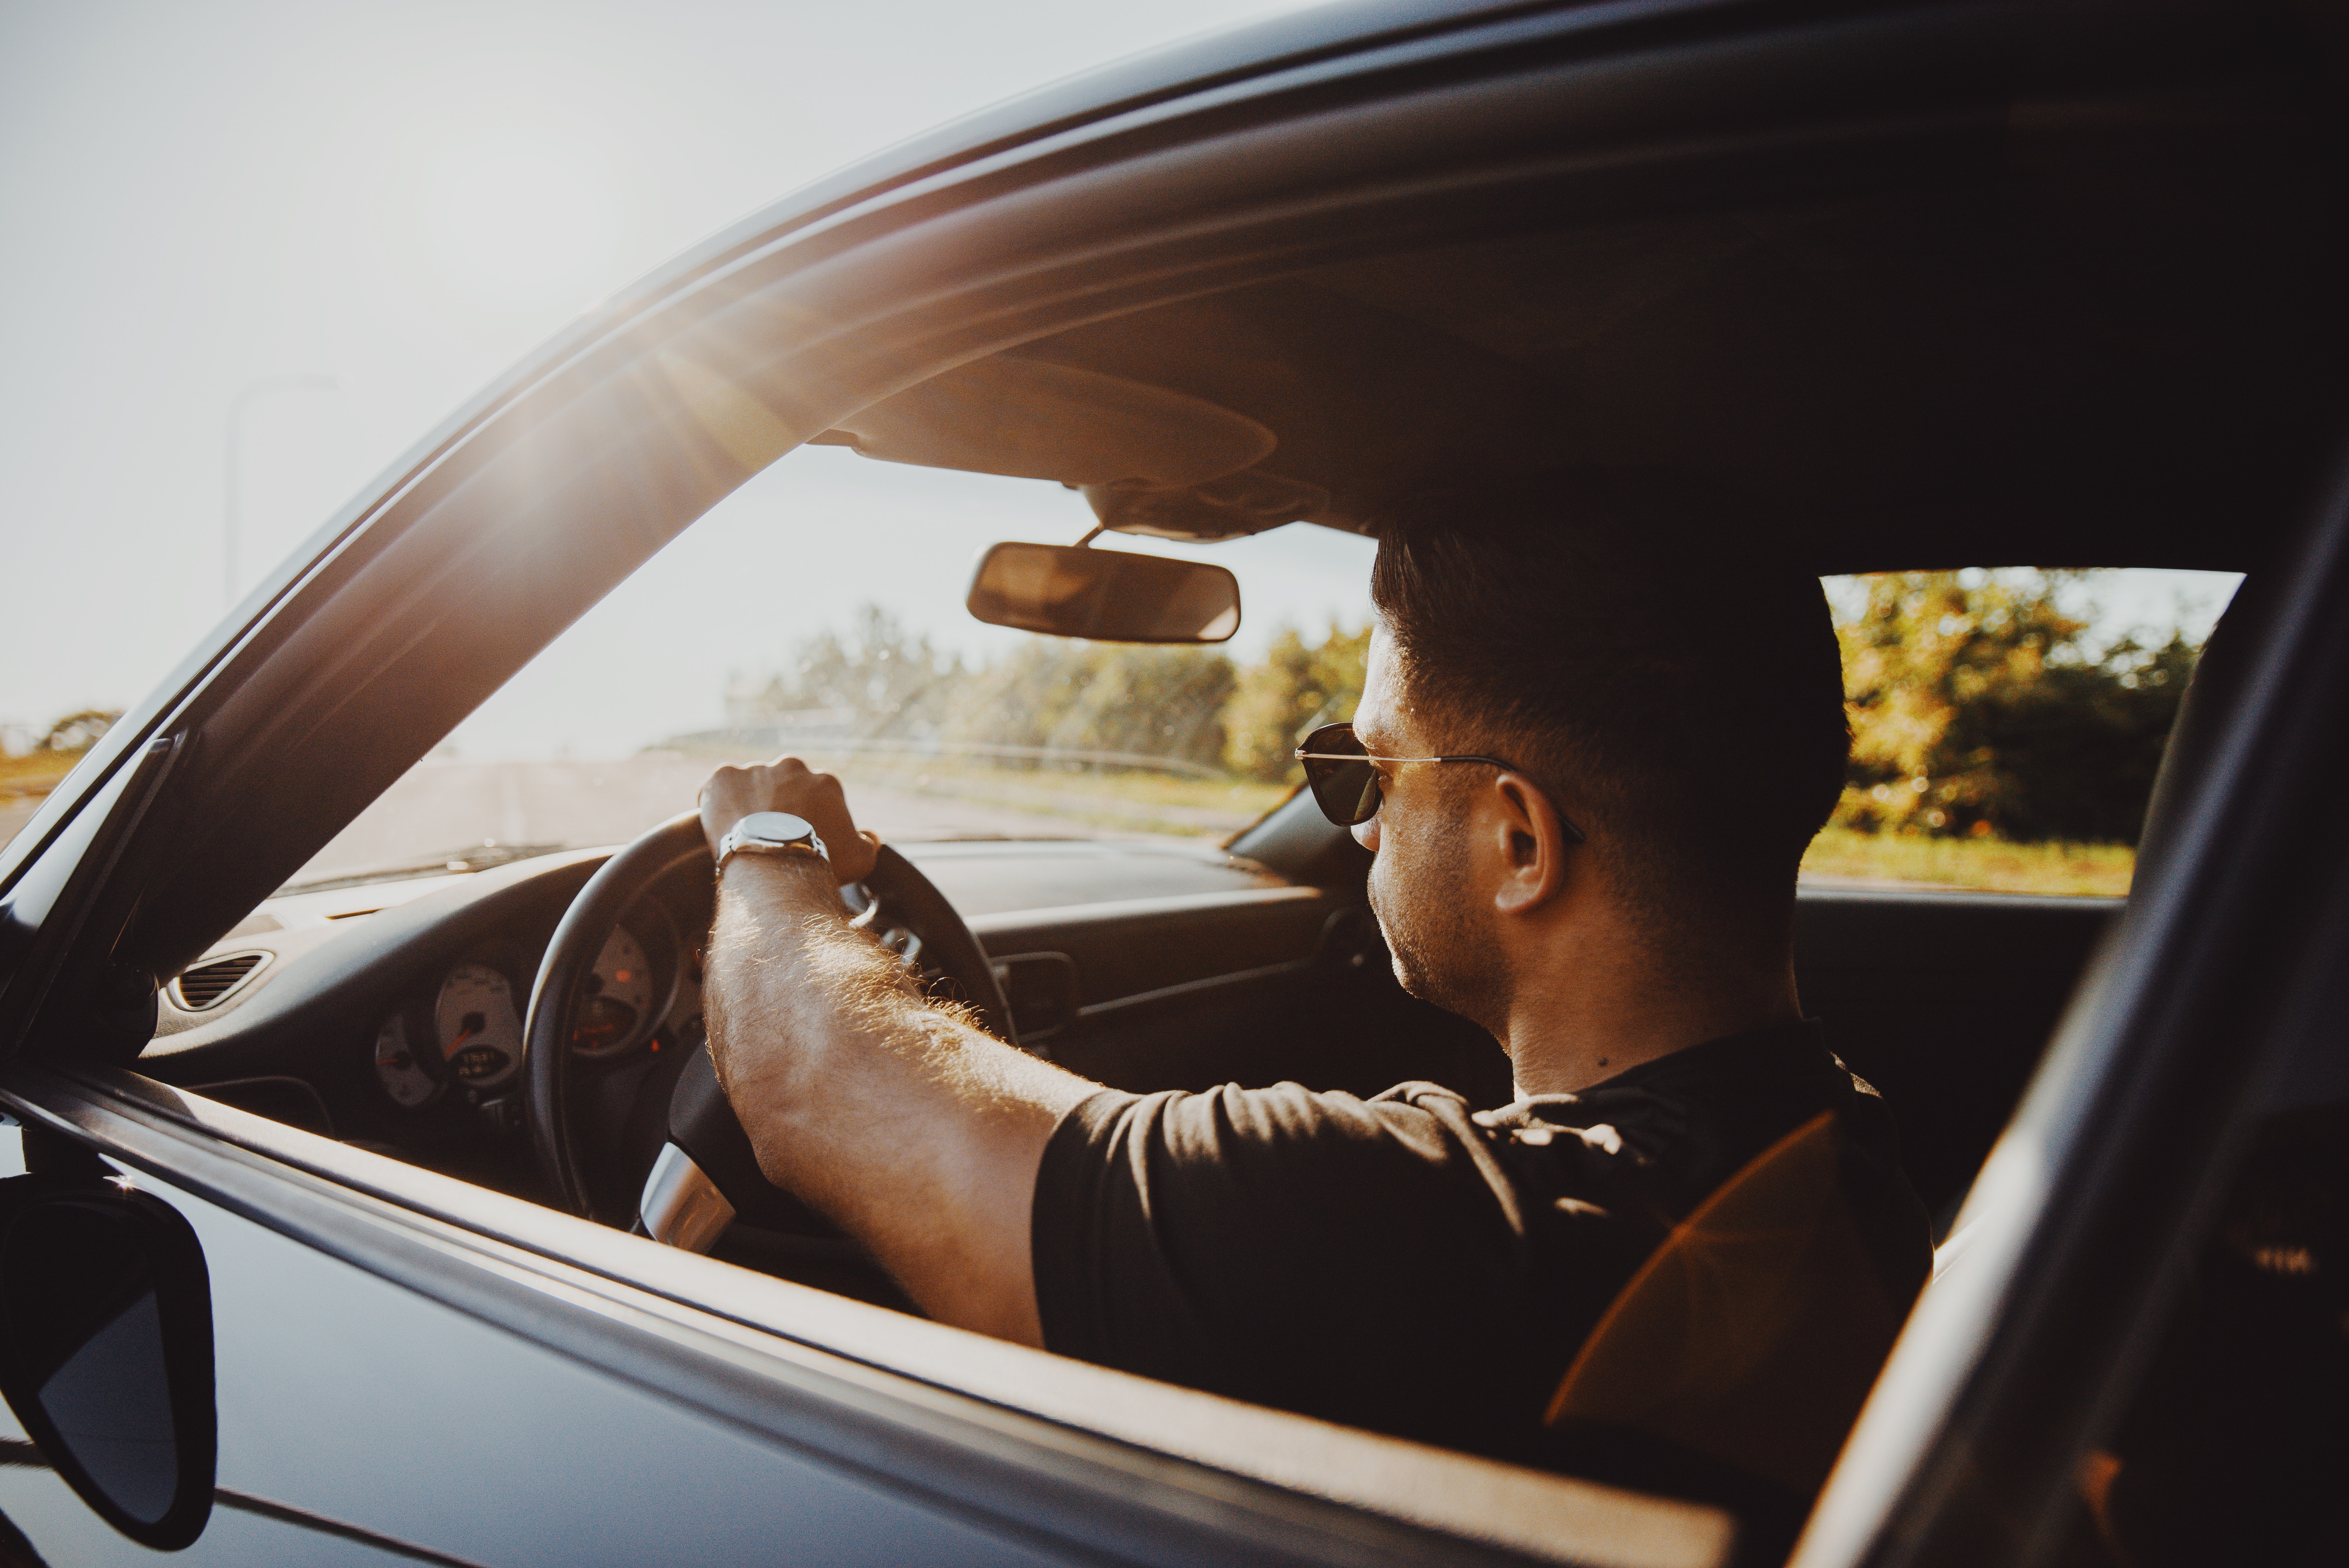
(476,858)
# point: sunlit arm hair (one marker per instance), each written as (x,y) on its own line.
(897,1115)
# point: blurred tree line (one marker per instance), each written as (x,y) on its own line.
(1048,693)
(68,736)
(1296,687)
(77,732)
(1100,697)
(1977,706)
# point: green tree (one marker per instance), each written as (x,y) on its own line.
(1292,689)
(1101,696)
(79,731)
(893,683)
(1976,709)
(2077,751)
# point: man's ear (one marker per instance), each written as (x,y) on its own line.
(1532,845)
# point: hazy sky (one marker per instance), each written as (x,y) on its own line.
(407,198)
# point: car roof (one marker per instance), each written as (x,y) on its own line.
(2108,355)
(2098,324)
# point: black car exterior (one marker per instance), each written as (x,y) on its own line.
(410,1368)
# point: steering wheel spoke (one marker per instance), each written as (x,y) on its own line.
(681,1206)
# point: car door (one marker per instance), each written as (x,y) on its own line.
(442,1374)
(362,1421)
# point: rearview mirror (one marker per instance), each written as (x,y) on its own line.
(106,1351)
(1108,595)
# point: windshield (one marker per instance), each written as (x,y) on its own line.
(818,612)
(2007,723)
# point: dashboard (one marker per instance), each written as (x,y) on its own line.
(349,1011)
(391,1014)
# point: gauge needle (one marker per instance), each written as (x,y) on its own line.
(460,1039)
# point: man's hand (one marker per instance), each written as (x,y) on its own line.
(910,1128)
(787,784)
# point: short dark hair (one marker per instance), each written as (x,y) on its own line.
(1602,628)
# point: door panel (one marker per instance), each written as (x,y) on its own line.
(344,1397)
(1253,987)
(1944,1002)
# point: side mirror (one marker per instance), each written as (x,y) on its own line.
(106,1350)
(1109,595)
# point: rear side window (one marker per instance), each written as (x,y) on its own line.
(2007,723)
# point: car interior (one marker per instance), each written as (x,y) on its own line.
(2079,339)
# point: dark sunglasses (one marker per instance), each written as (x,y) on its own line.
(1344,778)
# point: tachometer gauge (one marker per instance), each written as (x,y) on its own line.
(619,998)
(480,1034)
(407,1080)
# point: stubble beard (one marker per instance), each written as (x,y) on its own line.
(1442,953)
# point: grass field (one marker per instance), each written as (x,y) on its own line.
(23,781)
(1986,863)
(35,772)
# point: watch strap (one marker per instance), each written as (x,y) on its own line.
(762,833)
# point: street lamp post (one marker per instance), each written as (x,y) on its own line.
(236,407)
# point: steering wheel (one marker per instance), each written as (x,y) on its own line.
(707,1174)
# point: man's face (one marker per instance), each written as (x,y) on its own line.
(1424,887)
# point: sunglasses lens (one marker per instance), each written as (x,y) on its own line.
(1346,791)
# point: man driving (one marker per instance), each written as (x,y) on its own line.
(1587,771)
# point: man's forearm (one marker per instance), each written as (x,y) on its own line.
(914,1130)
(786,968)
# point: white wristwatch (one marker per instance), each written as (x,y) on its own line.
(772,833)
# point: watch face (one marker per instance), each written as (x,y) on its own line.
(777,826)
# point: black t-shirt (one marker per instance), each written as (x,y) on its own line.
(1406,1264)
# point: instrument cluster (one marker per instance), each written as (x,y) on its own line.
(463,1036)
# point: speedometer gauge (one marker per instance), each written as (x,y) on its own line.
(480,1034)
(619,998)
(404,1075)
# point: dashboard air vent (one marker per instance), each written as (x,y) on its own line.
(209,983)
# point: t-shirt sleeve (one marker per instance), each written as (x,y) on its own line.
(1279,1246)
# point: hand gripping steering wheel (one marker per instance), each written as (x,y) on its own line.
(707,1174)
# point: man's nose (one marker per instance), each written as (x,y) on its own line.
(1367,834)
